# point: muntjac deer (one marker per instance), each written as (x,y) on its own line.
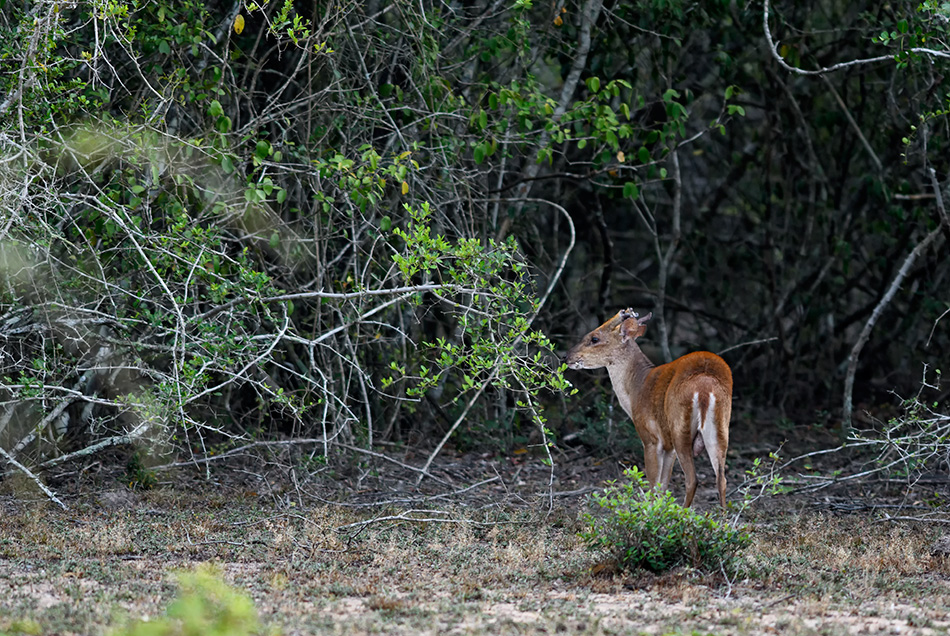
(678,408)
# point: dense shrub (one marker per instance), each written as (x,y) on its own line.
(645,528)
(206,606)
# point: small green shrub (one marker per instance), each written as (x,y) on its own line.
(206,606)
(25,627)
(645,528)
(138,474)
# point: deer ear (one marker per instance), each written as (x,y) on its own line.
(629,330)
(634,327)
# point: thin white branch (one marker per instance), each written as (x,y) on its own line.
(363,293)
(666,258)
(773,48)
(26,471)
(748,344)
(276,338)
(847,407)
(854,125)
(117,440)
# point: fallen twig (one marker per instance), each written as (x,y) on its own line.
(405,516)
(924,519)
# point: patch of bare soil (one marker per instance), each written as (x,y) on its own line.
(486,544)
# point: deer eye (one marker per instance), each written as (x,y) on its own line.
(594,340)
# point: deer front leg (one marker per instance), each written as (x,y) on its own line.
(666,460)
(658,464)
(651,462)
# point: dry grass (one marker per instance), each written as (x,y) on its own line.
(515,571)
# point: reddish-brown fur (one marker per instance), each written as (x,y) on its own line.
(660,399)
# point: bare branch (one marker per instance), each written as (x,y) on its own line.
(919,249)
(666,258)
(854,125)
(36,480)
(773,49)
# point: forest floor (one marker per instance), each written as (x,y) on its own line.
(491,551)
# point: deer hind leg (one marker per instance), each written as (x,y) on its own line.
(689,469)
(716,447)
(717,440)
(683,435)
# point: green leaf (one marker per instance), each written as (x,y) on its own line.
(631,191)
(215,109)
(593,84)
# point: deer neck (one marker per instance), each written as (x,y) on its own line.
(628,375)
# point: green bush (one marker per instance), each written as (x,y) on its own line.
(206,606)
(645,528)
